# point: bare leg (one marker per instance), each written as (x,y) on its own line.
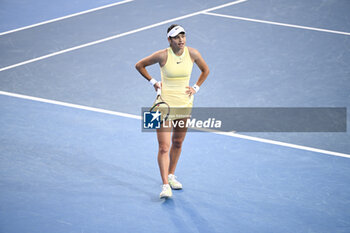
(164,136)
(178,137)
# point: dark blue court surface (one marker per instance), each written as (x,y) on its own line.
(65,168)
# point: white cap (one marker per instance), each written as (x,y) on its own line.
(175,31)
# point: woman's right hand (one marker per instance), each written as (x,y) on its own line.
(157,85)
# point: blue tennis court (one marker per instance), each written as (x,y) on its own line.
(73,157)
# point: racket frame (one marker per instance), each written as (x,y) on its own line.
(159,103)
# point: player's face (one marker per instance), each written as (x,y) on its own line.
(178,41)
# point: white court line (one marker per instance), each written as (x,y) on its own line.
(119,35)
(230,134)
(284,144)
(65,17)
(70,105)
(279,24)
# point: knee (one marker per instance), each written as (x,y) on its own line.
(163,148)
(177,143)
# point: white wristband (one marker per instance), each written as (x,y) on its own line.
(196,87)
(153,81)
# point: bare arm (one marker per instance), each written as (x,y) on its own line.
(157,57)
(202,65)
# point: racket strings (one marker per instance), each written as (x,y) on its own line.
(163,108)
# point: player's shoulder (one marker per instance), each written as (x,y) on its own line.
(159,56)
(161,53)
(193,52)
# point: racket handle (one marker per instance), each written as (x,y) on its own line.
(159,91)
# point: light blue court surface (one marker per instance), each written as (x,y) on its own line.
(69,170)
(65,169)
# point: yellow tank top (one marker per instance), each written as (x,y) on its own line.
(176,74)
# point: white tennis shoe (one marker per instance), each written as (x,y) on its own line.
(166,191)
(174,184)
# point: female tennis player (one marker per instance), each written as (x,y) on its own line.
(176,64)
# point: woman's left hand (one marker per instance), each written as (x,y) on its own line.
(190,91)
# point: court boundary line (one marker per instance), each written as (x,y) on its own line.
(118,35)
(230,134)
(277,23)
(64,17)
(70,105)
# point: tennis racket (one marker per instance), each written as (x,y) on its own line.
(161,106)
